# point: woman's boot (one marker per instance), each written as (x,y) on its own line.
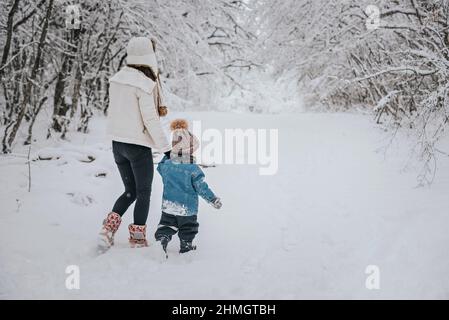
(110,227)
(137,236)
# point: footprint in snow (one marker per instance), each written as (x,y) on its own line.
(81,199)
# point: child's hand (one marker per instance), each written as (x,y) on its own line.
(216,203)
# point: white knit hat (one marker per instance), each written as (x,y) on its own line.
(140,52)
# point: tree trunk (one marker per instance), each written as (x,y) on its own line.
(31,79)
(10,26)
(33,120)
(60,106)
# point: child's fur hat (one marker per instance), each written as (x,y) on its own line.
(184,143)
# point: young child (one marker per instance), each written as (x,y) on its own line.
(183,183)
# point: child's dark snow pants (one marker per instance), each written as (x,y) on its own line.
(185,226)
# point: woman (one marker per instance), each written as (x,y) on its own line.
(135,128)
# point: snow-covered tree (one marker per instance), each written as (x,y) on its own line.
(47,62)
(390,56)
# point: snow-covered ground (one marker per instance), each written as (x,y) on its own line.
(336,205)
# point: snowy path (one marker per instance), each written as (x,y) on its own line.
(335,207)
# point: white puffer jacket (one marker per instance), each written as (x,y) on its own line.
(132,113)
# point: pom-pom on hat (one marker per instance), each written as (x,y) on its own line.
(179,124)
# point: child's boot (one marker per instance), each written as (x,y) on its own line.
(137,236)
(186,246)
(164,243)
(110,227)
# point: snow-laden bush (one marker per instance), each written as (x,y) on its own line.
(262,92)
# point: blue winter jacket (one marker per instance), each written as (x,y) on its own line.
(183,183)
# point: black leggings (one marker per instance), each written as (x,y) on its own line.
(135,164)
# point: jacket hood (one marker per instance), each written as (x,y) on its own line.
(135,78)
